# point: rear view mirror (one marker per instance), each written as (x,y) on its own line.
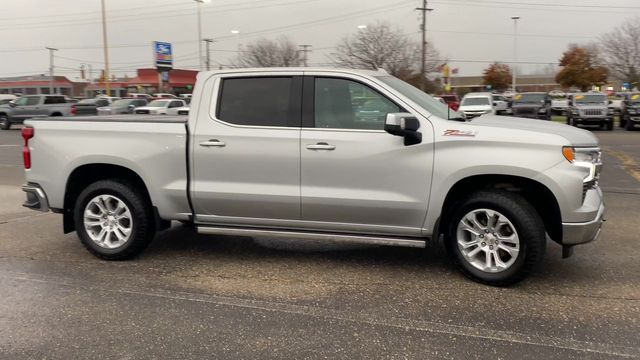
(495,104)
(405,125)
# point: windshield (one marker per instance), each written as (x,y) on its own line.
(475,101)
(529,98)
(427,102)
(121,103)
(590,99)
(158,103)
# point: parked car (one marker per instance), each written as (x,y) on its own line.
(140,96)
(179,111)
(110,99)
(559,104)
(452,100)
(159,107)
(500,104)
(590,109)
(534,105)
(477,104)
(259,159)
(164,96)
(30,106)
(615,104)
(90,106)
(122,106)
(630,111)
(7,98)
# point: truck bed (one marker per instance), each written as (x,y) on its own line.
(172,119)
(152,146)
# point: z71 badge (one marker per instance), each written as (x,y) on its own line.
(459,133)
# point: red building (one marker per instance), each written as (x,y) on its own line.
(39,84)
(148,81)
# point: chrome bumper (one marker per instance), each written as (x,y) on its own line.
(582,233)
(36,198)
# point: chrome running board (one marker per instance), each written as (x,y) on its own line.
(319,236)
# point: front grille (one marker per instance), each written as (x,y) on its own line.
(142,111)
(593,112)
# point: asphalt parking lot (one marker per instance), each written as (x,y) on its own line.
(191,296)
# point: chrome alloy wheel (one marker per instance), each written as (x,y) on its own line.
(488,240)
(108,221)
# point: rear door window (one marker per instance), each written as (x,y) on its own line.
(260,101)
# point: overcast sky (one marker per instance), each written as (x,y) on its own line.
(469,32)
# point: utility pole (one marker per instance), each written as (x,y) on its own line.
(51,50)
(305,49)
(208,41)
(423,27)
(105,47)
(515,52)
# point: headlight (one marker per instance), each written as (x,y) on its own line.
(590,159)
(542,111)
(610,111)
(575,112)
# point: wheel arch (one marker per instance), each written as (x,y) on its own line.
(86,174)
(536,193)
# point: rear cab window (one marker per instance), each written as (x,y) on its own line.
(260,101)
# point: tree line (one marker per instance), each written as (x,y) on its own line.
(615,55)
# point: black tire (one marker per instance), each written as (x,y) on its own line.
(629,125)
(143,221)
(5,124)
(528,225)
(609,125)
(569,120)
(623,121)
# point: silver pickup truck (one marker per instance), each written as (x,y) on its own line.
(30,106)
(290,153)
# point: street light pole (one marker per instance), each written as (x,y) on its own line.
(107,88)
(208,41)
(199,32)
(51,50)
(515,52)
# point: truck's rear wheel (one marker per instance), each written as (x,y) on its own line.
(114,221)
(5,124)
(495,237)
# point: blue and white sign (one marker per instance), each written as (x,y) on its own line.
(163,54)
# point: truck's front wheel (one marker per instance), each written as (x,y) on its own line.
(114,221)
(495,237)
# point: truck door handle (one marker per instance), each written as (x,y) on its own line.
(213,142)
(321,146)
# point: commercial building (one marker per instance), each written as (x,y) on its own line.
(177,81)
(39,84)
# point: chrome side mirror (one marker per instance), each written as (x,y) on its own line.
(405,125)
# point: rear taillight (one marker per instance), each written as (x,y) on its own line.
(27,133)
(74,110)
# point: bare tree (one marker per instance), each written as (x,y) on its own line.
(379,46)
(269,53)
(620,51)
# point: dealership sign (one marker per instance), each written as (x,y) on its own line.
(163,55)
